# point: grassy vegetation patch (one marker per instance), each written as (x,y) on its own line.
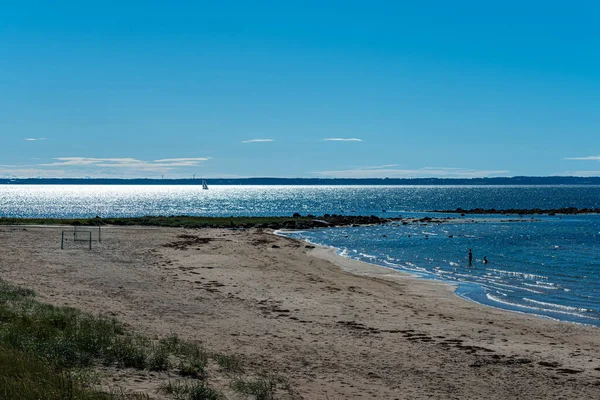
(262,387)
(24,376)
(183,390)
(49,352)
(229,363)
(46,352)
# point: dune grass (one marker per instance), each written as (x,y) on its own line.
(229,363)
(183,390)
(45,352)
(261,387)
(24,376)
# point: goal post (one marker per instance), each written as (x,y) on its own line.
(81,233)
(78,236)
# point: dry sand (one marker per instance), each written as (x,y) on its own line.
(338,329)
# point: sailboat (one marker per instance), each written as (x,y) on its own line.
(204,185)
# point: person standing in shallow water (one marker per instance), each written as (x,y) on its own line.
(470,257)
(485,260)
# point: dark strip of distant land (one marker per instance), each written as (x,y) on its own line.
(516,180)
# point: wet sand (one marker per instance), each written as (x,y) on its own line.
(337,328)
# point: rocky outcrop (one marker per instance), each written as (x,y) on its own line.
(308,222)
(524,211)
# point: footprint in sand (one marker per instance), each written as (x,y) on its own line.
(549,364)
(569,371)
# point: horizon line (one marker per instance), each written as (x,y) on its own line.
(558,177)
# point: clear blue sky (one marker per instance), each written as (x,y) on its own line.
(427,88)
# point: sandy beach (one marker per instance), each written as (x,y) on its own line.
(336,328)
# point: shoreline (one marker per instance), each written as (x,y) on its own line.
(347,264)
(363,268)
(366,269)
(473,290)
(281,306)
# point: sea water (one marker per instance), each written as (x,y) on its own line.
(548,266)
(75,201)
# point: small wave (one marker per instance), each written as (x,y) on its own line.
(516,273)
(509,303)
(514,287)
(540,286)
(545,283)
(391,263)
(369,256)
(285,233)
(497,289)
(560,306)
(442,272)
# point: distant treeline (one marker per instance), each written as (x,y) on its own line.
(516,180)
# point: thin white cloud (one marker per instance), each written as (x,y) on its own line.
(426,172)
(180,162)
(126,162)
(16,172)
(373,166)
(258,141)
(342,140)
(34,139)
(183,159)
(588,158)
(441,168)
(126,167)
(79,161)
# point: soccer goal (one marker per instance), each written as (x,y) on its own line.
(79,236)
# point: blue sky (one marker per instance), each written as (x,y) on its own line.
(218,89)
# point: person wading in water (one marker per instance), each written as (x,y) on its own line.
(470,257)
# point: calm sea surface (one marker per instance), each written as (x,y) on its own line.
(127,201)
(549,266)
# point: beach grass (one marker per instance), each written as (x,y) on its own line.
(183,390)
(24,376)
(48,352)
(229,363)
(261,387)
